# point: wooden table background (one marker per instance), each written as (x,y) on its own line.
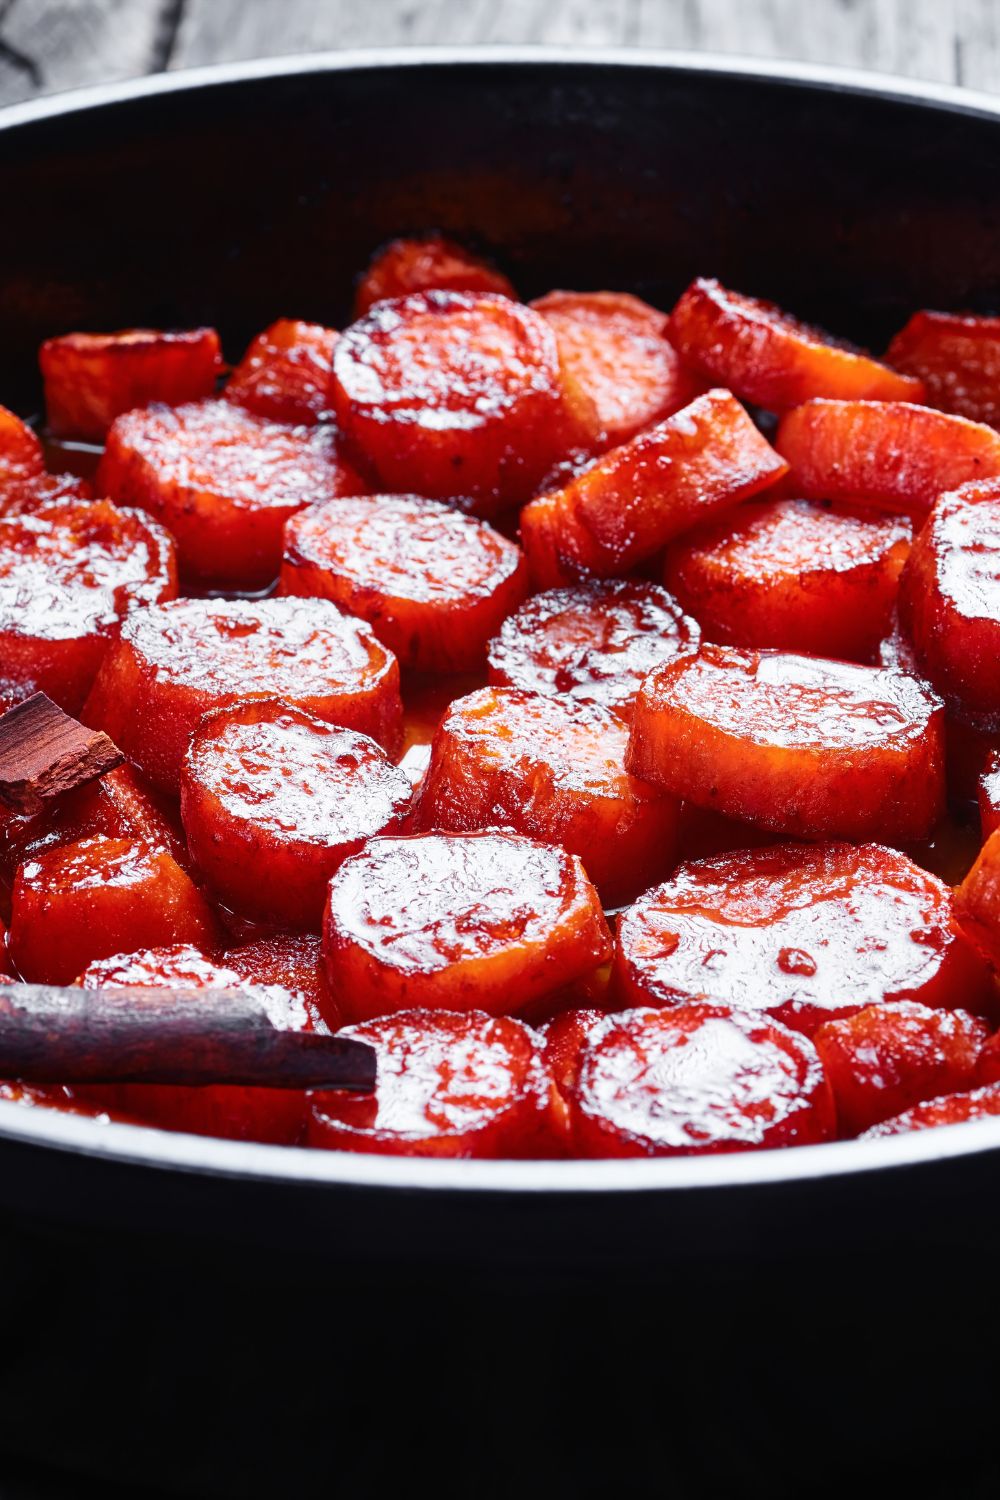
(47,45)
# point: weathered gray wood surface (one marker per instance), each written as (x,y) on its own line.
(57,44)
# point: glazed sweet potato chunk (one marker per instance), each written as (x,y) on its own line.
(92,378)
(620,371)
(768,357)
(694,1080)
(224,482)
(803,746)
(794,574)
(639,496)
(564,1039)
(285,373)
(429,263)
(22,463)
(888,453)
(433,584)
(989,795)
(950,1109)
(977,901)
(453,395)
(69,572)
(594,642)
(552,769)
(98,897)
(804,932)
(958,359)
(177,661)
(274,800)
(889,1057)
(292,962)
(949,597)
(482,921)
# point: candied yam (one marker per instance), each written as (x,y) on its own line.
(641,495)
(554,770)
(483,921)
(69,572)
(98,897)
(949,597)
(175,662)
(224,482)
(793,574)
(285,373)
(890,453)
(274,800)
(958,359)
(433,584)
(564,1037)
(453,396)
(766,356)
(694,1080)
(22,464)
(989,795)
(950,1109)
(292,962)
(92,378)
(800,745)
(803,932)
(458,1085)
(977,901)
(620,371)
(429,263)
(594,642)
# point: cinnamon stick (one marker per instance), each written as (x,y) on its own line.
(45,752)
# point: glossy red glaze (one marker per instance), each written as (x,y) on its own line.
(274,800)
(800,745)
(427,263)
(483,921)
(175,662)
(950,1109)
(91,378)
(958,359)
(989,795)
(803,932)
(285,373)
(433,584)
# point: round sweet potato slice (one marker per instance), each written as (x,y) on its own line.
(483,921)
(458,1085)
(949,1109)
(888,453)
(292,962)
(97,897)
(804,932)
(793,574)
(958,359)
(453,395)
(594,642)
(22,463)
(428,263)
(552,769)
(274,800)
(224,482)
(564,1039)
(695,1080)
(69,572)
(768,357)
(177,661)
(638,497)
(285,373)
(977,901)
(92,378)
(433,584)
(803,746)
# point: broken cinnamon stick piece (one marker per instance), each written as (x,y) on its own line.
(45,752)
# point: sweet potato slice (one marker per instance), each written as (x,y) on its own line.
(804,932)
(69,573)
(285,373)
(552,769)
(694,1080)
(22,463)
(482,921)
(91,378)
(977,901)
(174,662)
(803,746)
(768,357)
(949,597)
(639,496)
(564,1039)
(887,1058)
(433,584)
(989,795)
(453,395)
(428,263)
(793,574)
(958,359)
(223,482)
(98,897)
(949,1109)
(888,453)
(274,800)
(292,962)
